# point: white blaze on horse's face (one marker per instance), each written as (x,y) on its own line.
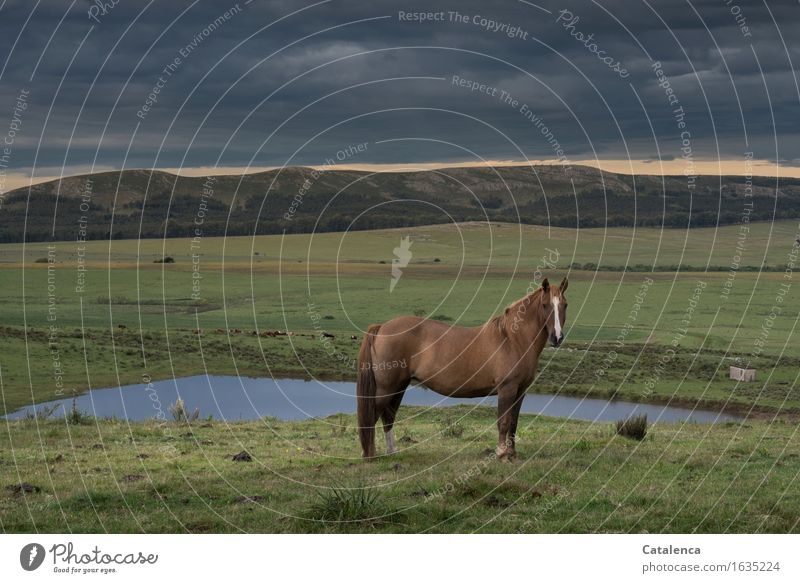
(557,317)
(558,335)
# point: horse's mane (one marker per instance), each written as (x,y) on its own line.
(505,319)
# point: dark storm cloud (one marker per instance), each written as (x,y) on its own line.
(238,94)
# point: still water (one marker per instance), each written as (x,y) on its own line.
(239,398)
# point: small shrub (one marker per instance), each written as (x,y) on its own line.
(442,318)
(41,260)
(328,317)
(166,259)
(437,260)
(181,414)
(77,417)
(348,505)
(634,427)
(454,429)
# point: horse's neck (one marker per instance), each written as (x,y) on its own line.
(532,331)
(535,335)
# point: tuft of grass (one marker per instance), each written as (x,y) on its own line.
(348,505)
(181,414)
(634,427)
(119,300)
(338,425)
(41,412)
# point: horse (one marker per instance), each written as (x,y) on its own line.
(499,357)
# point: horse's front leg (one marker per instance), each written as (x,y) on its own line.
(507,411)
(511,438)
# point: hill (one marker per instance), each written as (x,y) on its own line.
(135,204)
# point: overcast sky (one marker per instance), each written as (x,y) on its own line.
(274,83)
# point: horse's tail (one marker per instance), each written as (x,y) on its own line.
(366,391)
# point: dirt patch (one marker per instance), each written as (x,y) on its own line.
(132,477)
(23,488)
(248,499)
(493,501)
(242,456)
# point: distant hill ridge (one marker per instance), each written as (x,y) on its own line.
(153,204)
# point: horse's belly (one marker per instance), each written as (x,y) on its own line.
(460,392)
(454,381)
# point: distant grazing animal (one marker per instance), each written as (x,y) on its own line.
(499,358)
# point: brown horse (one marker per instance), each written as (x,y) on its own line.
(498,358)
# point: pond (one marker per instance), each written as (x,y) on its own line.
(240,398)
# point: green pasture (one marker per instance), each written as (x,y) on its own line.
(111,476)
(126,316)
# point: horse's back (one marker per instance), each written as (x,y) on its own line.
(416,333)
(447,359)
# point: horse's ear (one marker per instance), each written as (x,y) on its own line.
(564,284)
(546,286)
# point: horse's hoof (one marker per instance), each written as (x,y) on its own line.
(505,454)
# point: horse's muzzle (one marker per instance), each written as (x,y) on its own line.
(556,340)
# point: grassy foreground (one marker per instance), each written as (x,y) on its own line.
(110,476)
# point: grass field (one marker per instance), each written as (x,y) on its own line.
(651,332)
(339,282)
(110,476)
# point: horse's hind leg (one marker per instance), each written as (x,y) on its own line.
(389,413)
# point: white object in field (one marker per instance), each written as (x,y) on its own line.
(746,375)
